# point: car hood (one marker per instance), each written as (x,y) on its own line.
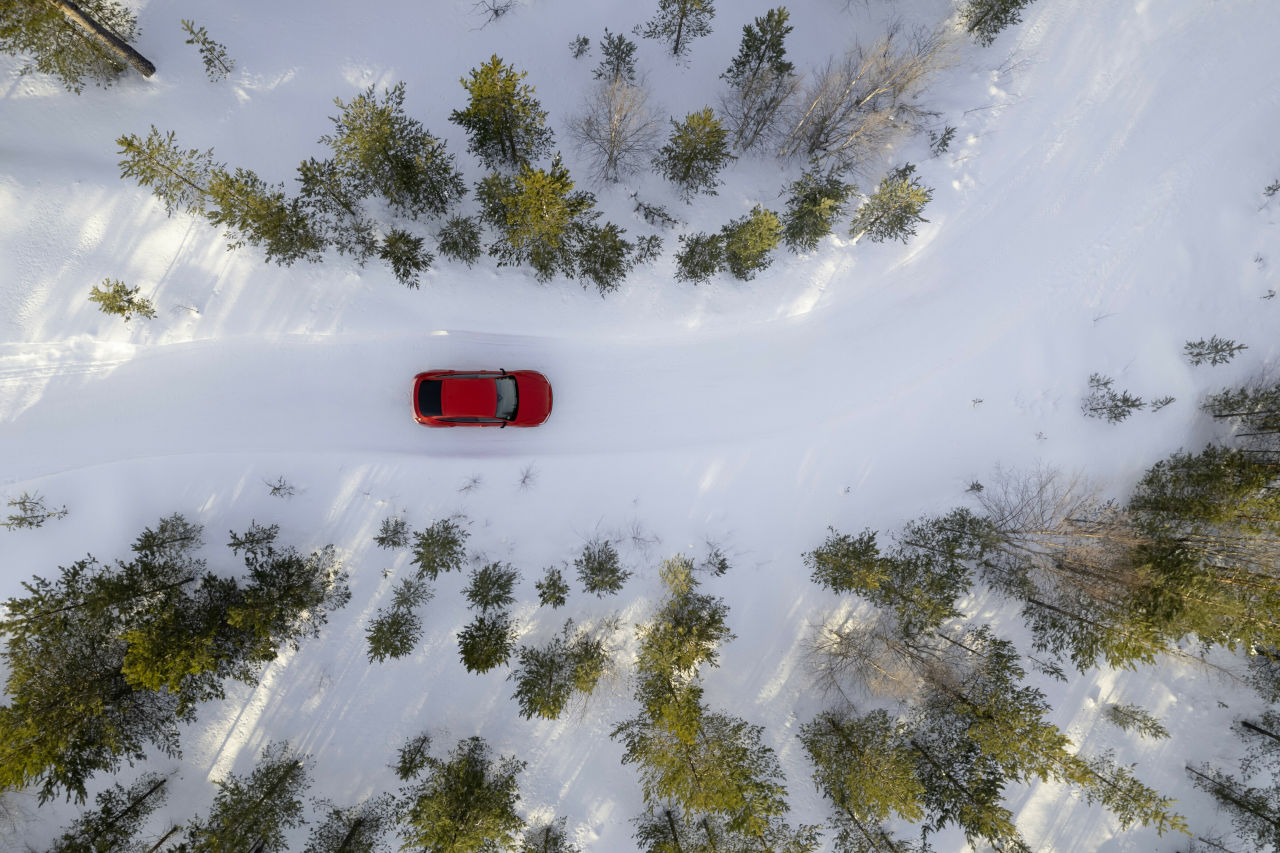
(468,398)
(535,398)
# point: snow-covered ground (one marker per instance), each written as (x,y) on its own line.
(1100,206)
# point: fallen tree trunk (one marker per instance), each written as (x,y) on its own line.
(105,37)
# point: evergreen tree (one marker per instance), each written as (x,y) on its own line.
(395,630)
(72,711)
(748,241)
(1254,409)
(180,179)
(486,642)
(760,77)
(505,124)
(491,587)
(600,568)
(361,828)
(539,218)
(31,512)
(548,838)
(115,297)
(552,589)
(892,211)
(1215,351)
(695,153)
(1102,401)
(679,22)
(286,596)
(865,766)
(459,239)
(1212,492)
(336,209)
(618,62)
(814,203)
(254,812)
(252,211)
(379,150)
(439,548)
(548,676)
(52,44)
(406,254)
(1135,718)
(984,19)
(1255,812)
(217,65)
(700,257)
(465,803)
(920,580)
(394,533)
(413,756)
(604,257)
(114,825)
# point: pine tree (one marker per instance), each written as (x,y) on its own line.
(286,596)
(31,512)
(547,677)
(760,77)
(600,568)
(72,711)
(679,22)
(180,179)
(984,19)
(394,533)
(695,153)
(463,804)
(539,218)
(618,62)
(439,548)
(700,257)
(814,203)
(865,766)
(379,150)
(548,838)
(115,297)
(748,240)
(1215,351)
(1255,812)
(920,580)
(552,589)
(491,587)
(395,630)
(1102,401)
(604,257)
(52,44)
(361,828)
(406,255)
(505,124)
(459,239)
(255,812)
(1135,718)
(1190,495)
(217,65)
(413,756)
(487,642)
(892,211)
(336,210)
(114,825)
(252,211)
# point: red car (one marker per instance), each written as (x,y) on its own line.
(492,398)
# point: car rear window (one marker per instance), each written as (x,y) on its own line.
(429,397)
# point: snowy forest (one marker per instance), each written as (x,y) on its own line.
(912,483)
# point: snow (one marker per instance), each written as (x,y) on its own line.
(1100,206)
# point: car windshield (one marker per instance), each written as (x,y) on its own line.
(507,397)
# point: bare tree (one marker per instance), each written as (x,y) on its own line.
(617,130)
(855,104)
